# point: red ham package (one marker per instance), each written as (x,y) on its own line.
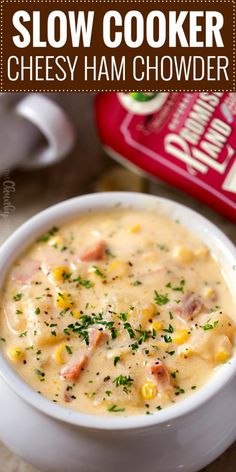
(187,139)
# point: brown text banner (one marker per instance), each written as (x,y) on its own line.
(99,45)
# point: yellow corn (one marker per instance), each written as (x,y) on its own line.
(135,229)
(64,301)
(222,356)
(117,268)
(149,312)
(16,353)
(149,390)
(55,241)
(76,314)
(180,336)
(61,273)
(210,293)
(185,352)
(201,253)
(58,354)
(43,340)
(183,254)
(157,325)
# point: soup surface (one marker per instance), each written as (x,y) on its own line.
(121,312)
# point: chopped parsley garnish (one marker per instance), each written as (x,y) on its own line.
(161,299)
(18,297)
(116,360)
(159,408)
(171,353)
(40,375)
(171,315)
(53,333)
(45,238)
(134,346)
(68,349)
(128,327)
(136,283)
(23,335)
(98,272)
(143,335)
(124,381)
(83,282)
(163,247)
(109,253)
(108,393)
(208,326)
(123,316)
(179,390)
(19,312)
(114,409)
(37,311)
(193,387)
(3,340)
(167,338)
(81,326)
(169,330)
(179,288)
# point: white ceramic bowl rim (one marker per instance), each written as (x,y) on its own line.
(66,210)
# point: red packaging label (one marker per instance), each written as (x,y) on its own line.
(190,141)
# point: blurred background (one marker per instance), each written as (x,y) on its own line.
(78,165)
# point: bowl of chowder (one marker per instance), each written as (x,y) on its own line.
(117,337)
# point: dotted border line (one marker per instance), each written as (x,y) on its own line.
(2,2)
(234,45)
(1,47)
(118,1)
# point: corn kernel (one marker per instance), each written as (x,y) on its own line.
(43,340)
(210,293)
(185,352)
(180,336)
(64,301)
(149,312)
(61,273)
(76,314)
(16,353)
(157,325)
(55,241)
(222,356)
(201,253)
(149,390)
(58,354)
(117,268)
(135,229)
(183,254)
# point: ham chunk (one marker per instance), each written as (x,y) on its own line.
(96,337)
(95,252)
(71,371)
(161,375)
(189,307)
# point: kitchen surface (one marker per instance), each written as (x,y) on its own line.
(87,169)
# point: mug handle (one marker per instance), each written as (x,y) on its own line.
(53,123)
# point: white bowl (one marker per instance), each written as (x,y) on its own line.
(185,436)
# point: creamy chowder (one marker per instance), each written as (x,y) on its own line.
(117,312)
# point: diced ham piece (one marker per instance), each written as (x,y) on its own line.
(189,306)
(95,252)
(24,275)
(161,375)
(67,397)
(71,371)
(96,337)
